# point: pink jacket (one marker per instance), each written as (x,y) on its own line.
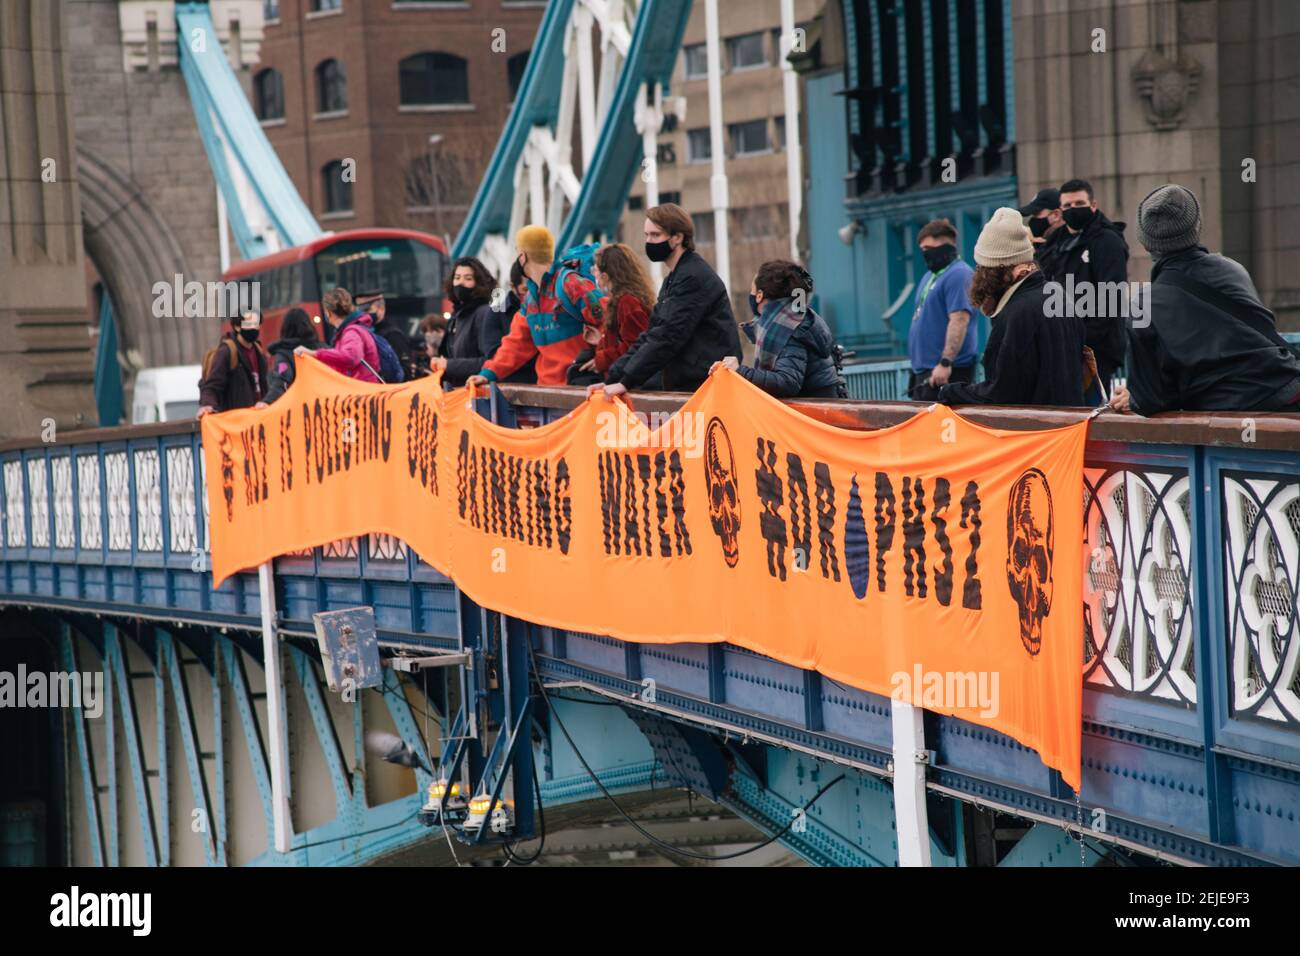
(351,346)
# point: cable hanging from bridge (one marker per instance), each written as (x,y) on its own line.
(663,844)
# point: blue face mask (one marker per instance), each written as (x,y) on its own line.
(753,304)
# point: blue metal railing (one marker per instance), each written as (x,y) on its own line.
(1192,621)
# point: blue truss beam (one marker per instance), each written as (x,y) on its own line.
(119,673)
(536,103)
(85,756)
(656,38)
(220,107)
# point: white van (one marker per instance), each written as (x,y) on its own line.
(166,394)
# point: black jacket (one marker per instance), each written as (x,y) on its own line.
(280,371)
(1097,254)
(804,368)
(1189,354)
(1031,358)
(224,388)
(474,332)
(690,328)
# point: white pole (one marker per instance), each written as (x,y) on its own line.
(275,711)
(793,155)
(652,118)
(718,183)
(223,232)
(910,817)
(586,84)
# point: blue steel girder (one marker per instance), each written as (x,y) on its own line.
(85,756)
(238,676)
(169,659)
(536,103)
(119,673)
(656,39)
(399,708)
(221,106)
(345,801)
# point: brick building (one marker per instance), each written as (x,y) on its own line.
(413,92)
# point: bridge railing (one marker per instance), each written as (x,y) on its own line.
(1191,613)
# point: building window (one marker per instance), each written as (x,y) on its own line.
(697,61)
(780,132)
(699,148)
(515,67)
(673,196)
(270,10)
(268,94)
(748,139)
(433,79)
(338,191)
(746,52)
(331,87)
(704,232)
(324,6)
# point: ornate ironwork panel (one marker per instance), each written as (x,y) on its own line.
(1261,543)
(119,501)
(1138,635)
(181,515)
(64,510)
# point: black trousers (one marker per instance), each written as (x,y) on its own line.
(920,390)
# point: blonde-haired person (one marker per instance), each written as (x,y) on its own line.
(631,296)
(1033,357)
(545,327)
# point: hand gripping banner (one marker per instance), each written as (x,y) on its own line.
(937,561)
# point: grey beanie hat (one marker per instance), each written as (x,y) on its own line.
(1169,220)
(1004,240)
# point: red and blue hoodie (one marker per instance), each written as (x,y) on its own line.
(545,328)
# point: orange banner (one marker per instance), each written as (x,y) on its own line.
(937,561)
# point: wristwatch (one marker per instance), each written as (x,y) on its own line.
(946,362)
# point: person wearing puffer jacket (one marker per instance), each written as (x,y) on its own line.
(353,352)
(793,344)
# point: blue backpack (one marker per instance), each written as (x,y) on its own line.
(579,259)
(390,366)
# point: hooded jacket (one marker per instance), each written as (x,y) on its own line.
(544,331)
(280,374)
(1097,254)
(803,367)
(691,327)
(1031,358)
(1186,353)
(353,344)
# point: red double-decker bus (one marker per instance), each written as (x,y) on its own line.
(408,266)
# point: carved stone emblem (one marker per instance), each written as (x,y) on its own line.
(1166,87)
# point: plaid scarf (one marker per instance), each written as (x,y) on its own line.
(774,327)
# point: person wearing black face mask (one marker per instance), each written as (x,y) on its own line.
(1086,253)
(942,342)
(691,325)
(234,373)
(474,328)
